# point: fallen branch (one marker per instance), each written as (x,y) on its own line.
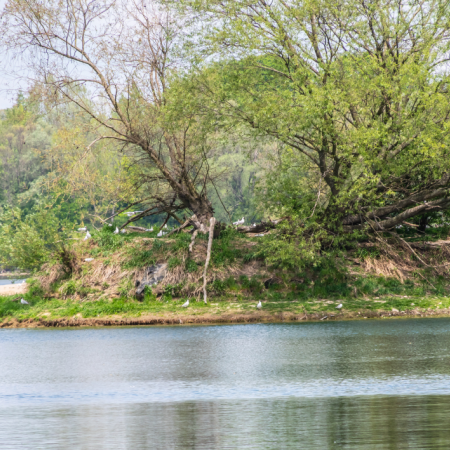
(181,227)
(208,256)
(137,229)
(262,226)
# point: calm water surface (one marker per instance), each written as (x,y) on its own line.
(6,281)
(343,385)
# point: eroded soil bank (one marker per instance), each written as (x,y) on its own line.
(228,318)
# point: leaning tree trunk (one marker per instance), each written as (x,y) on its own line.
(202,209)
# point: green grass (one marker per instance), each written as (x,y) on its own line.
(325,285)
(273,302)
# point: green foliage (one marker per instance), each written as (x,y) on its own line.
(140,258)
(226,249)
(190,266)
(182,241)
(106,239)
(173,262)
(27,242)
(253,284)
(125,287)
(364,253)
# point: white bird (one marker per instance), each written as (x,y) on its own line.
(88,235)
(160,234)
(239,222)
(254,224)
(24,302)
(109,224)
(82,229)
(185,305)
(165,226)
(116,231)
(123,231)
(259,306)
(151,230)
(259,235)
(89,259)
(339,306)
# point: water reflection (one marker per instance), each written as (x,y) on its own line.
(374,384)
(387,422)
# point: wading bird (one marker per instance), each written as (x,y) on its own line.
(259,306)
(185,305)
(24,302)
(339,306)
(239,222)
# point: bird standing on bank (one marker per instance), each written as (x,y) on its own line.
(339,306)
(116,231)
(259,305)
(88,235)
(24,302)
(239,222)
(185,305)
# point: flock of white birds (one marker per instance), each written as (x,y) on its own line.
(160,233)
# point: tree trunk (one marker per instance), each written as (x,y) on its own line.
(203,212)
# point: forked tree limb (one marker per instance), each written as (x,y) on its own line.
(208,256)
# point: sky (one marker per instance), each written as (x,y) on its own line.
(10,86)
(7,96)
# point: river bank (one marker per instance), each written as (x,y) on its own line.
(56,313)
(113,282)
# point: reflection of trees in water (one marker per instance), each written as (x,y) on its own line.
(366,422)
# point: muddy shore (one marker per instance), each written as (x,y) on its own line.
(228,318)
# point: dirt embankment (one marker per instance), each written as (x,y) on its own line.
(228,318)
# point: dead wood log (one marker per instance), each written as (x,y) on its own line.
(208,256)
(137,229)
(261,227)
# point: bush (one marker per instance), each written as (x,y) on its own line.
(28,242)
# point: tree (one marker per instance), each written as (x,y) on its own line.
(122,53)
(358,88)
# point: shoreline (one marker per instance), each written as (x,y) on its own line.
(227,318)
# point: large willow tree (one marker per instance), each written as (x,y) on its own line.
(113,59)
(359,88)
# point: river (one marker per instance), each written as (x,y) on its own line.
(370,384)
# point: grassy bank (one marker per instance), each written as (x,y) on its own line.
(69,312)
(100,286)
